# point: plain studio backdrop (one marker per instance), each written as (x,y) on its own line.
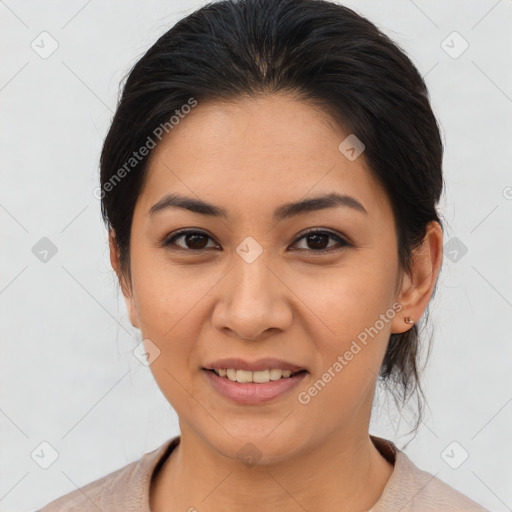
(76,403)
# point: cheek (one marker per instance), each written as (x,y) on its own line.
(173,308)
(165,293)
(356,306)
(352,297)
(339,314)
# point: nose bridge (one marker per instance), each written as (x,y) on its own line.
(251,274)
(252,278)
(252,299)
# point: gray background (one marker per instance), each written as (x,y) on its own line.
(68,374)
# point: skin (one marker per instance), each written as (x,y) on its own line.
(305,306)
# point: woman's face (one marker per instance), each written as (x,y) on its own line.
(252,284)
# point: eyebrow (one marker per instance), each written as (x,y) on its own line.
(282,212)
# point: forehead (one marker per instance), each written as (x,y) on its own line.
(257,151)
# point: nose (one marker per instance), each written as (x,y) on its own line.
(253,301)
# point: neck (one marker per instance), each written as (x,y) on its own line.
(344,473)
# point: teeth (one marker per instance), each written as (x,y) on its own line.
(259,377)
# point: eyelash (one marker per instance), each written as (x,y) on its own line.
(170,242)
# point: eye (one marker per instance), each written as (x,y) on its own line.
(191,240)
(317,240)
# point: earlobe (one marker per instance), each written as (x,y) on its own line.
(132,311)
(128,296)
(418,286)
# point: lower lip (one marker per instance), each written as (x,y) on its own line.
(252,393)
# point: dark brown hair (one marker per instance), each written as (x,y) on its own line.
(321,52)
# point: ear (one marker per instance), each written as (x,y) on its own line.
(125,287)
(418,285)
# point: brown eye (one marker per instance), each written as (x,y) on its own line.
(191,240)
(315,241)
(319,241)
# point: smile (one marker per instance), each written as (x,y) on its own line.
(246,387)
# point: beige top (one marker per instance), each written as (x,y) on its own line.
(127,489)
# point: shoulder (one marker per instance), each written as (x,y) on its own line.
(411,489)
(125,489)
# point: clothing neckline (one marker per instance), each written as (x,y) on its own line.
(385,447)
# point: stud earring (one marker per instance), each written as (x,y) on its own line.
(408,320)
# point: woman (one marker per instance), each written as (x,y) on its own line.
(270,183)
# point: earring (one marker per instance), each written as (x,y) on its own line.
(408,320)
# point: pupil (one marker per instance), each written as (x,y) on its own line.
(317,241)
(191,239)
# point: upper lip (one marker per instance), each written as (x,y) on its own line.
(254,366)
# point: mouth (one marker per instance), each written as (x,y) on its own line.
(256,377)
(266,363)
(245,387)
